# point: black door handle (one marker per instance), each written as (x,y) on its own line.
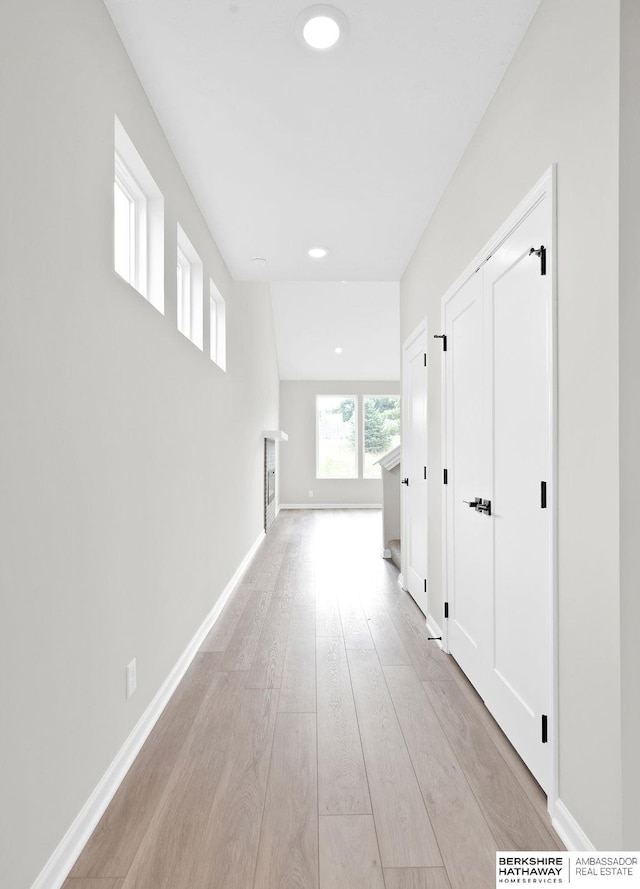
(405,481)
(472,503)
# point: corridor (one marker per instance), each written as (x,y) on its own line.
(318,740)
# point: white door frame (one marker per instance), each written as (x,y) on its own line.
(545,187)
(413,336)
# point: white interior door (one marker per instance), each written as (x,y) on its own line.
(498,408)
(518,395)
(468,532)
(414,468)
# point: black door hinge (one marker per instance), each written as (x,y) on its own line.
(543,495)
(443,337)
(445,476)
(446,609)
(425,359)
(542,253)
(545,737)
(425,473)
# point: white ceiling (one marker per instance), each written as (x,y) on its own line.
(286,148)
(351,149)
(307,335)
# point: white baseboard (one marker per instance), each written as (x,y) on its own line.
(331,506)
(569,831)
(57,869)
(386,553)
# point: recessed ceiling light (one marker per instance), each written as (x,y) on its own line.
(321,32)
(318,252)
(321,27)
(338,350)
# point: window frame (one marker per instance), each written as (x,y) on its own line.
(189,295)
(356,424)
(217,327)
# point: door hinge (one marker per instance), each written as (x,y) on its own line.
(542,253)
(425,473)
(445,477)
(543,495)
(425,359)
(545,736)
(425,584)
(443,337)
(446,609)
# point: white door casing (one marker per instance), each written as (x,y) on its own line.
(413,467)
(499,444)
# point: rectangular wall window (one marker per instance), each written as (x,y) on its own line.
(336,436)
(138,222)
(217,327)
(189,290)
(381,430)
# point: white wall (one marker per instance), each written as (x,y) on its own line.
(630,416)
(130,466)
(558,102)
(298,455)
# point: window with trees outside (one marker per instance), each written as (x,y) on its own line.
(336,436)
(381,422)
(338,433)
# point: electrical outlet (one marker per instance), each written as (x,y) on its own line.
(132,681)
(310,493)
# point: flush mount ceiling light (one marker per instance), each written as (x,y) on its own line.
(321,27)
(317,252)
(338,350)
(259,260)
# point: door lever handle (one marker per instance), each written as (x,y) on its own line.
(484,506)
(473,503)
(405,481)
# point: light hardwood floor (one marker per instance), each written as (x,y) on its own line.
(318,741)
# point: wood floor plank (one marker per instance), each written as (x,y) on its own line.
(428,659)
(511,817)
(231,836)
(296,577)
(466,844)
(387,642)
(342,779)
(405,834)
(268,661)
(92,883)
(328,621)
(221,632)
(298,686)
(264,569)
(115,841)
(355,627)
(174,837)
(349,855)
(242,646)
(288,853)
(416,878)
